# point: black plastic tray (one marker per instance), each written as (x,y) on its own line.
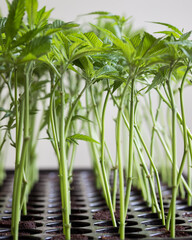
(44,208)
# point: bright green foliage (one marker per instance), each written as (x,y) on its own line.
(43,60)
(81,137)
(14,19)
(35,49)
(31,9)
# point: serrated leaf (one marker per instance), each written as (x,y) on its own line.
(185,36)
(87,65)
(126,47)
(42,17)
(135,40)
(14,18)
(159,78)
(63,25)
(2,24)
(105,70)
(59,25)
(148,42)
(38,46)
(86,51)
(82,137)
(31,8)
(80,117)
(93,39)
(175,29)
(27,37)
(73,48)
(169,33)
(116,85)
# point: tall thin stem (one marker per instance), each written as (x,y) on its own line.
(107,187)
(20,165)
(95,152)
(63,169)
(120,164)
(174,157)
(185,143)
(131,138)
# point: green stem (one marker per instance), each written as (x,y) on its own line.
(72,160)
(120,164)
(114,194)
(148,176)
(18,149)
(72,109)
(53,127)
(22,160)
(94,152)
(177,113)
(170,159)
(19,182)
(185,145)
(99,123)
(15,208)
(174,157)
(63,169)
(107,187)
(155,170)
(142,179)
(156,174)
(130,157)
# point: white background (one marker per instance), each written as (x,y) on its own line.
(175,12)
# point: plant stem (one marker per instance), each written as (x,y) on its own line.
(53,127)
(152,164)
(174,157)
(170,159)
(154,120)
(107,187)
(185,144)
(21,164)
(179,118)
(156,174)
(148,176)
(15,208)
(99,122)
(130,157)
(72,109)
(95,154)
(17,156)
(63,169)
(120,165)
(72,160)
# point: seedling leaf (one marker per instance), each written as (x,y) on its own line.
(175,29)
(31,8)
(159,78)
(126,47)
(93,39)
(82,137)
(14,18)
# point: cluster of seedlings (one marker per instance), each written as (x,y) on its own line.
(70,76)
